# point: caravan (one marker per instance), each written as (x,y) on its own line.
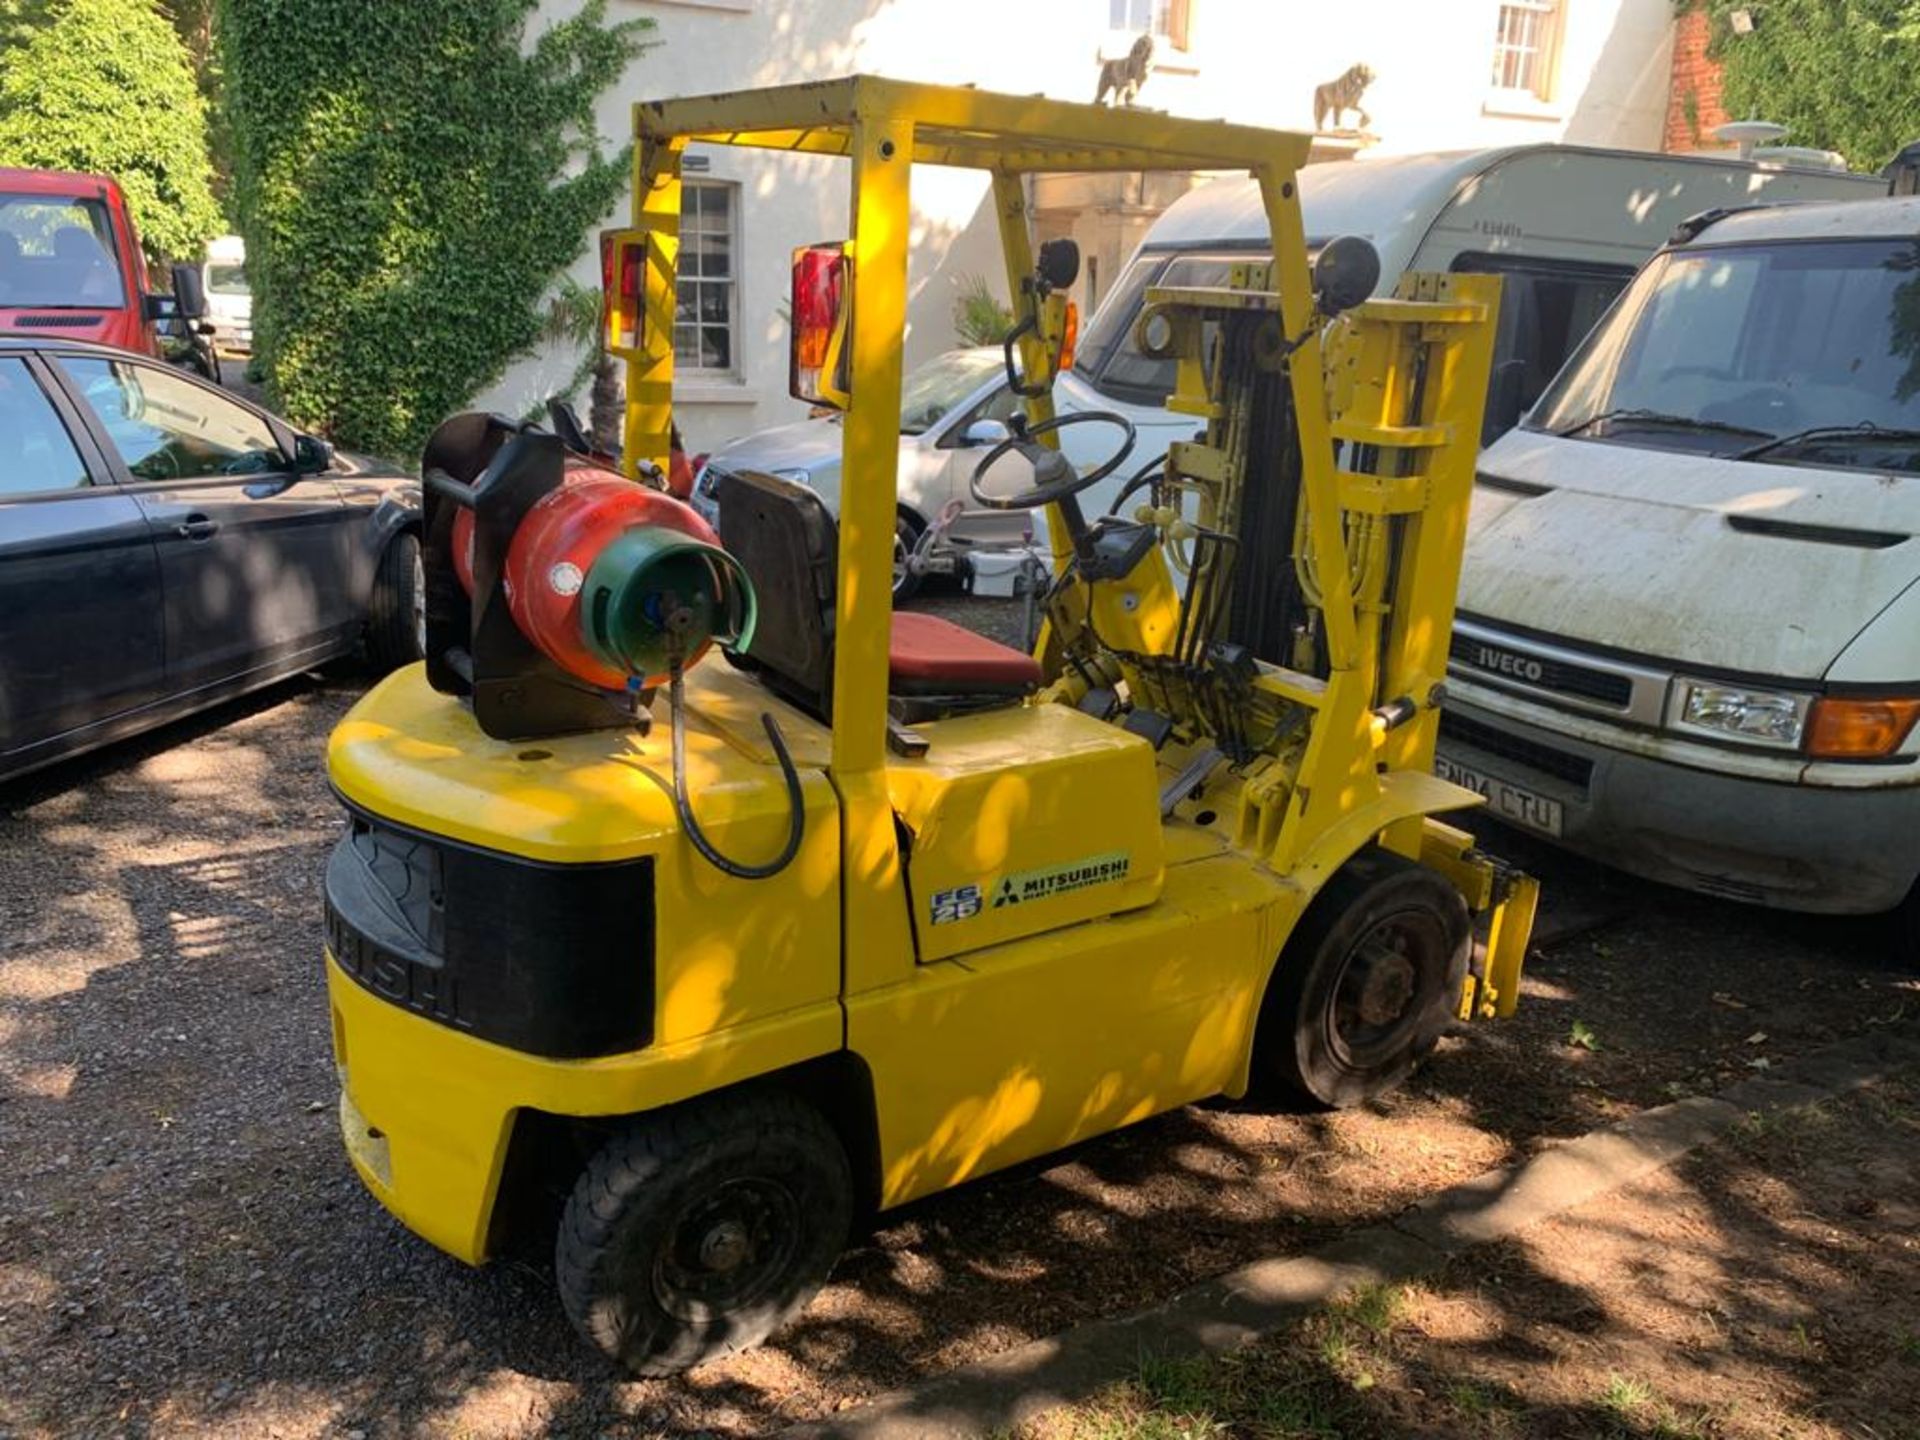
(1564,226)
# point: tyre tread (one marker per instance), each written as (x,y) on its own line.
(754,1124)
(391,641)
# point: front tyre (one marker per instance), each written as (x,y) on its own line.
(906,537)
(397,616)
(1366,983)
(699,1231)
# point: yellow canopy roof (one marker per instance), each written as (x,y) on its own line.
(979,129)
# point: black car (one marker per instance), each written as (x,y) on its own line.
(164,545)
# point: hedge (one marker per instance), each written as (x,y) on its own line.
(411,179)
(105,86)
(1840,74)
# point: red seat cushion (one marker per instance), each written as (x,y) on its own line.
(928,651)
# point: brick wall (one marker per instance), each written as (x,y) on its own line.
(1693,96)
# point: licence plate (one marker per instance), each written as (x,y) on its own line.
(1504,798)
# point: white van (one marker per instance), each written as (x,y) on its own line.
(1566,226)
(1689,629)
(229,297)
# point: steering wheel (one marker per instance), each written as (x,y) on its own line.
(1057,477)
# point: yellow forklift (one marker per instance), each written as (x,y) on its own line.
(688,882)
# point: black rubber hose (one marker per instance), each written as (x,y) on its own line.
(676,692)
(1145,475)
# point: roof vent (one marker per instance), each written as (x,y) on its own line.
(1749,133)
(1802,157)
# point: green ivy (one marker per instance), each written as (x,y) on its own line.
(411,179)
(106,86)
(1840,74)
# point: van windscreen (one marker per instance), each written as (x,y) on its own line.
(1800,347)
(57,252)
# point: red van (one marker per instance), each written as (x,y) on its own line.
(71,267)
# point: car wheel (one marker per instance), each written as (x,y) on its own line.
(906,535)
(1366,983)
(700,1230)
(397,618)
(1903,930)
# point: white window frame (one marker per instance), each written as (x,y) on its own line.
(1535,61)
(1170,22)
(689,243)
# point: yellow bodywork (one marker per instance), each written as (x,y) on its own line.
(1014,942)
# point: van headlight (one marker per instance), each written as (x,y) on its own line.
(1774,718)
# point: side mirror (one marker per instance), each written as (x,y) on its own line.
(1059,263)
(311,454)
(1344,274)
(158,308)
(984,432)
(189,290)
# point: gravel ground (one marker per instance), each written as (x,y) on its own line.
(184,1251)
(1761,1289)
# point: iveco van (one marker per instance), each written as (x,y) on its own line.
(1689,630)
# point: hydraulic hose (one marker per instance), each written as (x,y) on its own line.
(676,694)
(1148,474)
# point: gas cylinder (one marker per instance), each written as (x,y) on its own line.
(612,581)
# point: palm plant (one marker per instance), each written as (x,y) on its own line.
(978,316)
(573,317)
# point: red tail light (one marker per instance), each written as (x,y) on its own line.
(623,283)
(817,370)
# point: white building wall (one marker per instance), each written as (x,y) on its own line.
(1252,61)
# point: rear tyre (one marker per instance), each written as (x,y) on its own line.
(906,535)
(396,619)
(701,1230)
(1365,985)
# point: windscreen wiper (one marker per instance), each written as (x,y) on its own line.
(1863,430)
(1656,417)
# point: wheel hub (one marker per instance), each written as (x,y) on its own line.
(729,1246)
(1377,1004)
(725,1246)
(1386,985)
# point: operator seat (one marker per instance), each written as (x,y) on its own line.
(783,536)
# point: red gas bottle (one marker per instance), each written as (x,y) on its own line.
(613,581)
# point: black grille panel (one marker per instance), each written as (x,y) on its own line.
(1508,662)
(55,322)
(552,960)
(1575,769)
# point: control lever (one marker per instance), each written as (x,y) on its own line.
(920,562)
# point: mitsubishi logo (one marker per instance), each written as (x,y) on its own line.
(1505,662)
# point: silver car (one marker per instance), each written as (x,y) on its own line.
(952,410)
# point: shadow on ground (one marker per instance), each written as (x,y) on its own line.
(183,1249)
(1764,1287)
